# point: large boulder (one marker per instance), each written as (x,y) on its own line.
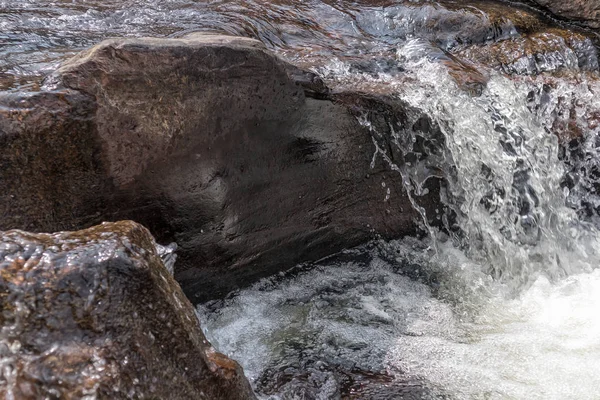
(250,164)
(95,314)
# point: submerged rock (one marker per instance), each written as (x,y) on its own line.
(95,314)
(248,163)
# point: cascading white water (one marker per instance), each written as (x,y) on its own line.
(505,307)
(506,174)
(537,335)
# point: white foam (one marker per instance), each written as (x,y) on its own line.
(543,345)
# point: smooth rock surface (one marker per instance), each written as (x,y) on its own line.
(94,314)
(209,141)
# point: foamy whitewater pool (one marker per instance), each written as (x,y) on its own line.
(368,316)
(545,344)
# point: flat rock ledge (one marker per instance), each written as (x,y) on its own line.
(94,314)
(249,164)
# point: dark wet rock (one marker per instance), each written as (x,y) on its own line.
(208,142)
(585,12)
(51,168)
(95,314)
(313,379)
(186,86)
(312,84)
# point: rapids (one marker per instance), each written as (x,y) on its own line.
(500,299)
(502,307)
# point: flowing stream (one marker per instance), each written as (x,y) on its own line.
(500,298)
(503,307)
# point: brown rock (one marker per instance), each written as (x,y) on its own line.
(210,143)
(549,50)
(95,314)
(51,169)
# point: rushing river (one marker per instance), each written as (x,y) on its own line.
(501,299)
(504,308)
(365,330)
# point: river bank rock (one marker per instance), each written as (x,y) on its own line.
(585,12)
(547,51)
(248,163)
(95,314)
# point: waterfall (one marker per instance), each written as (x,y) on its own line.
(504,179)
(497,302)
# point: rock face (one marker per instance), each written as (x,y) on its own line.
(209,141)
(95,314)
(51,169)
(586,12)
(158,96)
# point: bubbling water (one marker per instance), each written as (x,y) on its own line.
(544,344)
(369,316)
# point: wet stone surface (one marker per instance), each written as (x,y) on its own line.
(585,12)
(94,314)
(217,146)
(39,34)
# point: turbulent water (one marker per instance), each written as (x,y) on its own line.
(500,305)
(503,307)
(364,328)
(500,299)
